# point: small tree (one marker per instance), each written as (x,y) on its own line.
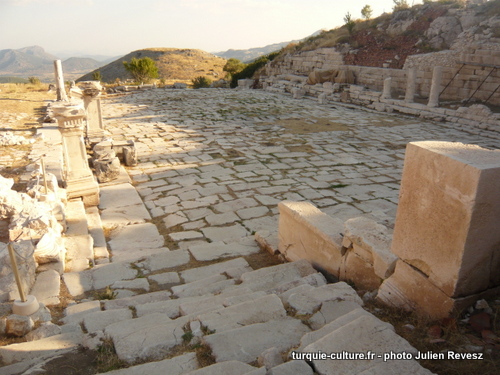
(400,4)
(233,66)
(34,80)
(367,12)
(349,22)
(143,70)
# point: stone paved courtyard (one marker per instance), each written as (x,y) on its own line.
(212,158)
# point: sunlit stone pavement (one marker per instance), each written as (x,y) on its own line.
(214,163)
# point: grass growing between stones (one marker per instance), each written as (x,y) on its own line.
(107,359)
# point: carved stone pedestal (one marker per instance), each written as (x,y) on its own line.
(77,175)
(95,127)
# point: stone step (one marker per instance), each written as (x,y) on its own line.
(97,233)
(79,252)
(271,277)
(40,349)
(227,367)
(220,250)
(212,284)
(174,366)
(194,274)
(310,299)
(292,368)
(99,277)
(214,302)
(76,220)
(99,320)
(134,242)
(246,343)
(121,205)
(148,337)
(259,310)
(77,312)
(166,259)
(362,335)
(138,300)
(47,287)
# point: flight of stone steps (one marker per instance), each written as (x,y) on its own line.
(243,317)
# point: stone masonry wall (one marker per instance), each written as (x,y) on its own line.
(462,87)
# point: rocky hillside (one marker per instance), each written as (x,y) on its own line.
(389,39)
(173,64)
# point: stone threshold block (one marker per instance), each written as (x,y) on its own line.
(307,233)
(448,215)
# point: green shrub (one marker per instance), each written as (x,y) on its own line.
(34,80)
(251,68)
(233,66)
(97,76)
(201,82)
(143,70)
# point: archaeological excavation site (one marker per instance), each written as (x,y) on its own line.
(324,217)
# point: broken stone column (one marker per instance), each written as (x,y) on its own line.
(77,175)
(410,85)
(446,233)
(91,91)
(435,87)
(61,91)
(386,93)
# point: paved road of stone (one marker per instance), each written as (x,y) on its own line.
(225,158)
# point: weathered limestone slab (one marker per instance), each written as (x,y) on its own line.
(44,348)
(271,277)
(171,308)
(76,313)
(99,320)
(76,219)
(95,227)
(313,336)
(133,301)
(260,310)
(173,366)
(218,250)
(307,233)
(448,214)
(47,287)
(126,215)
(228,367)
(165,278)
(306,302)
(364,334)
(292,368)
(198,273)
(79,252)
(166,259)
(245,344)
(331,310)
(147,337)
(78,282)
(212,302)
(104,275)
(212,284)
(121,195)
(133,242)
(372,237)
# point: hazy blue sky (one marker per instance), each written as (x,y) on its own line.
(115,27)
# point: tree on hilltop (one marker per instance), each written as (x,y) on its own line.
(367,12)
(143,70)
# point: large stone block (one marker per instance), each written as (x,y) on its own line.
(448,215)
(307,233)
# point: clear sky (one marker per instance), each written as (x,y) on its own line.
(116,27)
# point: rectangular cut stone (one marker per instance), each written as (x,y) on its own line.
(448,215)
(198,273)
(307,233)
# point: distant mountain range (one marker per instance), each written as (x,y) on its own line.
(34,61)
(248,55)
